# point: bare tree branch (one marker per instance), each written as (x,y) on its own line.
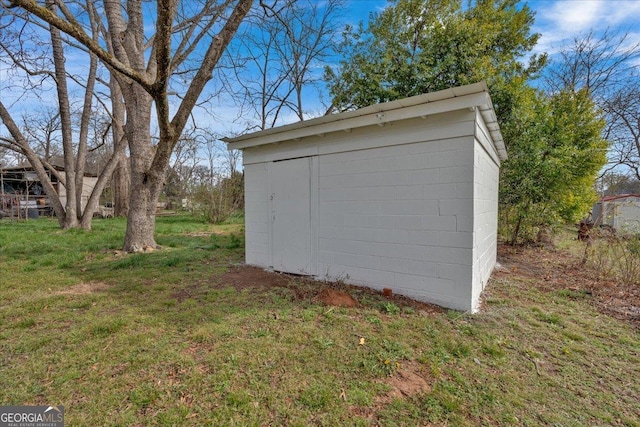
(79,34)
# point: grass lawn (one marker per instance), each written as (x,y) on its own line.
(168,338)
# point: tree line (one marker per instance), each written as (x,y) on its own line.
(129,75)
(559,117)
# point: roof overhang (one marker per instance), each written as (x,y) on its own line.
(470,96)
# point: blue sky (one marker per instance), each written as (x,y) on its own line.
(558,22)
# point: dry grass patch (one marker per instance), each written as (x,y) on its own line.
(84,288)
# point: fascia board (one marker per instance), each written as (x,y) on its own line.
(394,111)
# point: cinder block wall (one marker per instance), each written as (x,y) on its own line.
(395,207)
(485,207)
(400,217)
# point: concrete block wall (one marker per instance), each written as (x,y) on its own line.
(400,217)
(485,207)
(397,206)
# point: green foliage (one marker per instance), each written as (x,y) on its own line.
(553,141)
(555,153)
(415,46)
(389,308)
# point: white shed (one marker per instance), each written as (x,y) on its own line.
(400,195)
(622,212)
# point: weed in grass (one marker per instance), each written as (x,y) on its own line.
(383,358)
(492,350)
(430,330)
(234,242)
(389,308)
(551,318)
(401,413)
(373,319)
(408,310)
(436,356)
(571,294)
(458,349)
(143,395)
(468,330)
(25,323)
(309,314)
(105,328)
(360,394)
(238,399)
(130,261)
(434,410)
(317,396)
(574,336)
(324,343)
(449,394)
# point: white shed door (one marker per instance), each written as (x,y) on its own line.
(291,216)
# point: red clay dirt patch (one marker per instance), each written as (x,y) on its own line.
(336,298)
(554,270)
(409,380)
(258,280)
(243,277)
(406,382)
(306,288)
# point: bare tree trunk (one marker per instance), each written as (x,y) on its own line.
(516,231)
(145,188)
(144,77)
(70,219)
(121,178)
(120,183)
(92,204)
(81,158)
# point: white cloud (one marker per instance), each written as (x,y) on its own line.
(571,16)
(560,21)
(621,13)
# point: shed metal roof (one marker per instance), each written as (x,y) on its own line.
(470,96)
(619,197)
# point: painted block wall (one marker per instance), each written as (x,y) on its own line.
(395,207)
(400,217)
(485,207)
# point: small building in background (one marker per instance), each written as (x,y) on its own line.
(621,212)
(400,195)
(22,194)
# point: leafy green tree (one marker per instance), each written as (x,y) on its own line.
(555,154)
(613,183)
(420,46)
(606,64)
